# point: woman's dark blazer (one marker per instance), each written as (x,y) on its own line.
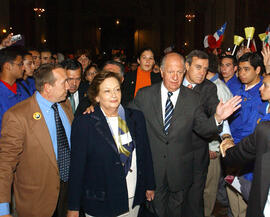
(97,182)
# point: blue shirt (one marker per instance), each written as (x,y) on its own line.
(234,84)
(9,99)
(48,114)
(29,83)
(243,121)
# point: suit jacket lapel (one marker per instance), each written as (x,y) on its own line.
(130,123)
(41,132)
(68,110)
(157,107)
(103,129)
(180,106)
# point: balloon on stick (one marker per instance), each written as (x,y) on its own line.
(249,32)
(237,40)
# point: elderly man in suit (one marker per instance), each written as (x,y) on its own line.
(34,148)
(172,112)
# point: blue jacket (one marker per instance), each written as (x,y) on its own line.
(9,99)
(234,84)
(243,122)
(97,181)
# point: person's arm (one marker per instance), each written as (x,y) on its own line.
(11,147)
(79,148)
(245,151)
(147,158)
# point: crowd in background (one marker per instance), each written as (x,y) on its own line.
(206,83)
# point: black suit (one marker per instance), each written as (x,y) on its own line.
(83,99)
(255,147)
(129,85)
(173,154)
(209,100)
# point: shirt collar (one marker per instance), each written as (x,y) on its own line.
(42,101)
(186,83)
(164,89)
(215,77)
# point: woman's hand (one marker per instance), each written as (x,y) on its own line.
(150,195)
(72,213)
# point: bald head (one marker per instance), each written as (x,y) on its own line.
(172,71)
(172,55)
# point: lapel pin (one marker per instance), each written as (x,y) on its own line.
(37,116)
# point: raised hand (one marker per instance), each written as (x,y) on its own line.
(224,110)
(6,42)
(266,58)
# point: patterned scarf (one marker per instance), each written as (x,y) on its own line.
(126,146)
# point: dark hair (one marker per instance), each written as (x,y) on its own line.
(45,50)
(45,75)
(196,53)
(253,58)
(80,52)
(234,61)
(9,55)
(213,63)
(145,49)
(26,54)
(112,62)
(99,78)
(71,64)
(32,49)
(89,67)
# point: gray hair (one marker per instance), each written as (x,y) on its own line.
(196,53)
(163,61)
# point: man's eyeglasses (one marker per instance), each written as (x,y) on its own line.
(72,80)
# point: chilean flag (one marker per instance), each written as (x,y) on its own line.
(214,41)
(267,38)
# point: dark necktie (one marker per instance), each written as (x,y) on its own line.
(62,146)
(168,113)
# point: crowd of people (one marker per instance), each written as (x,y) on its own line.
(111,138)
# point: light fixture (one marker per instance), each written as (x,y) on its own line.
(4,31)
(186,44)
(117,22)
(39,11)
(44,41)
(99,28)
(10,28)
(190,17)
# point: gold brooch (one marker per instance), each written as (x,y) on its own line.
(36,115)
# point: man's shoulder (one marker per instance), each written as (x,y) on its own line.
(207,83)
(23,106)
